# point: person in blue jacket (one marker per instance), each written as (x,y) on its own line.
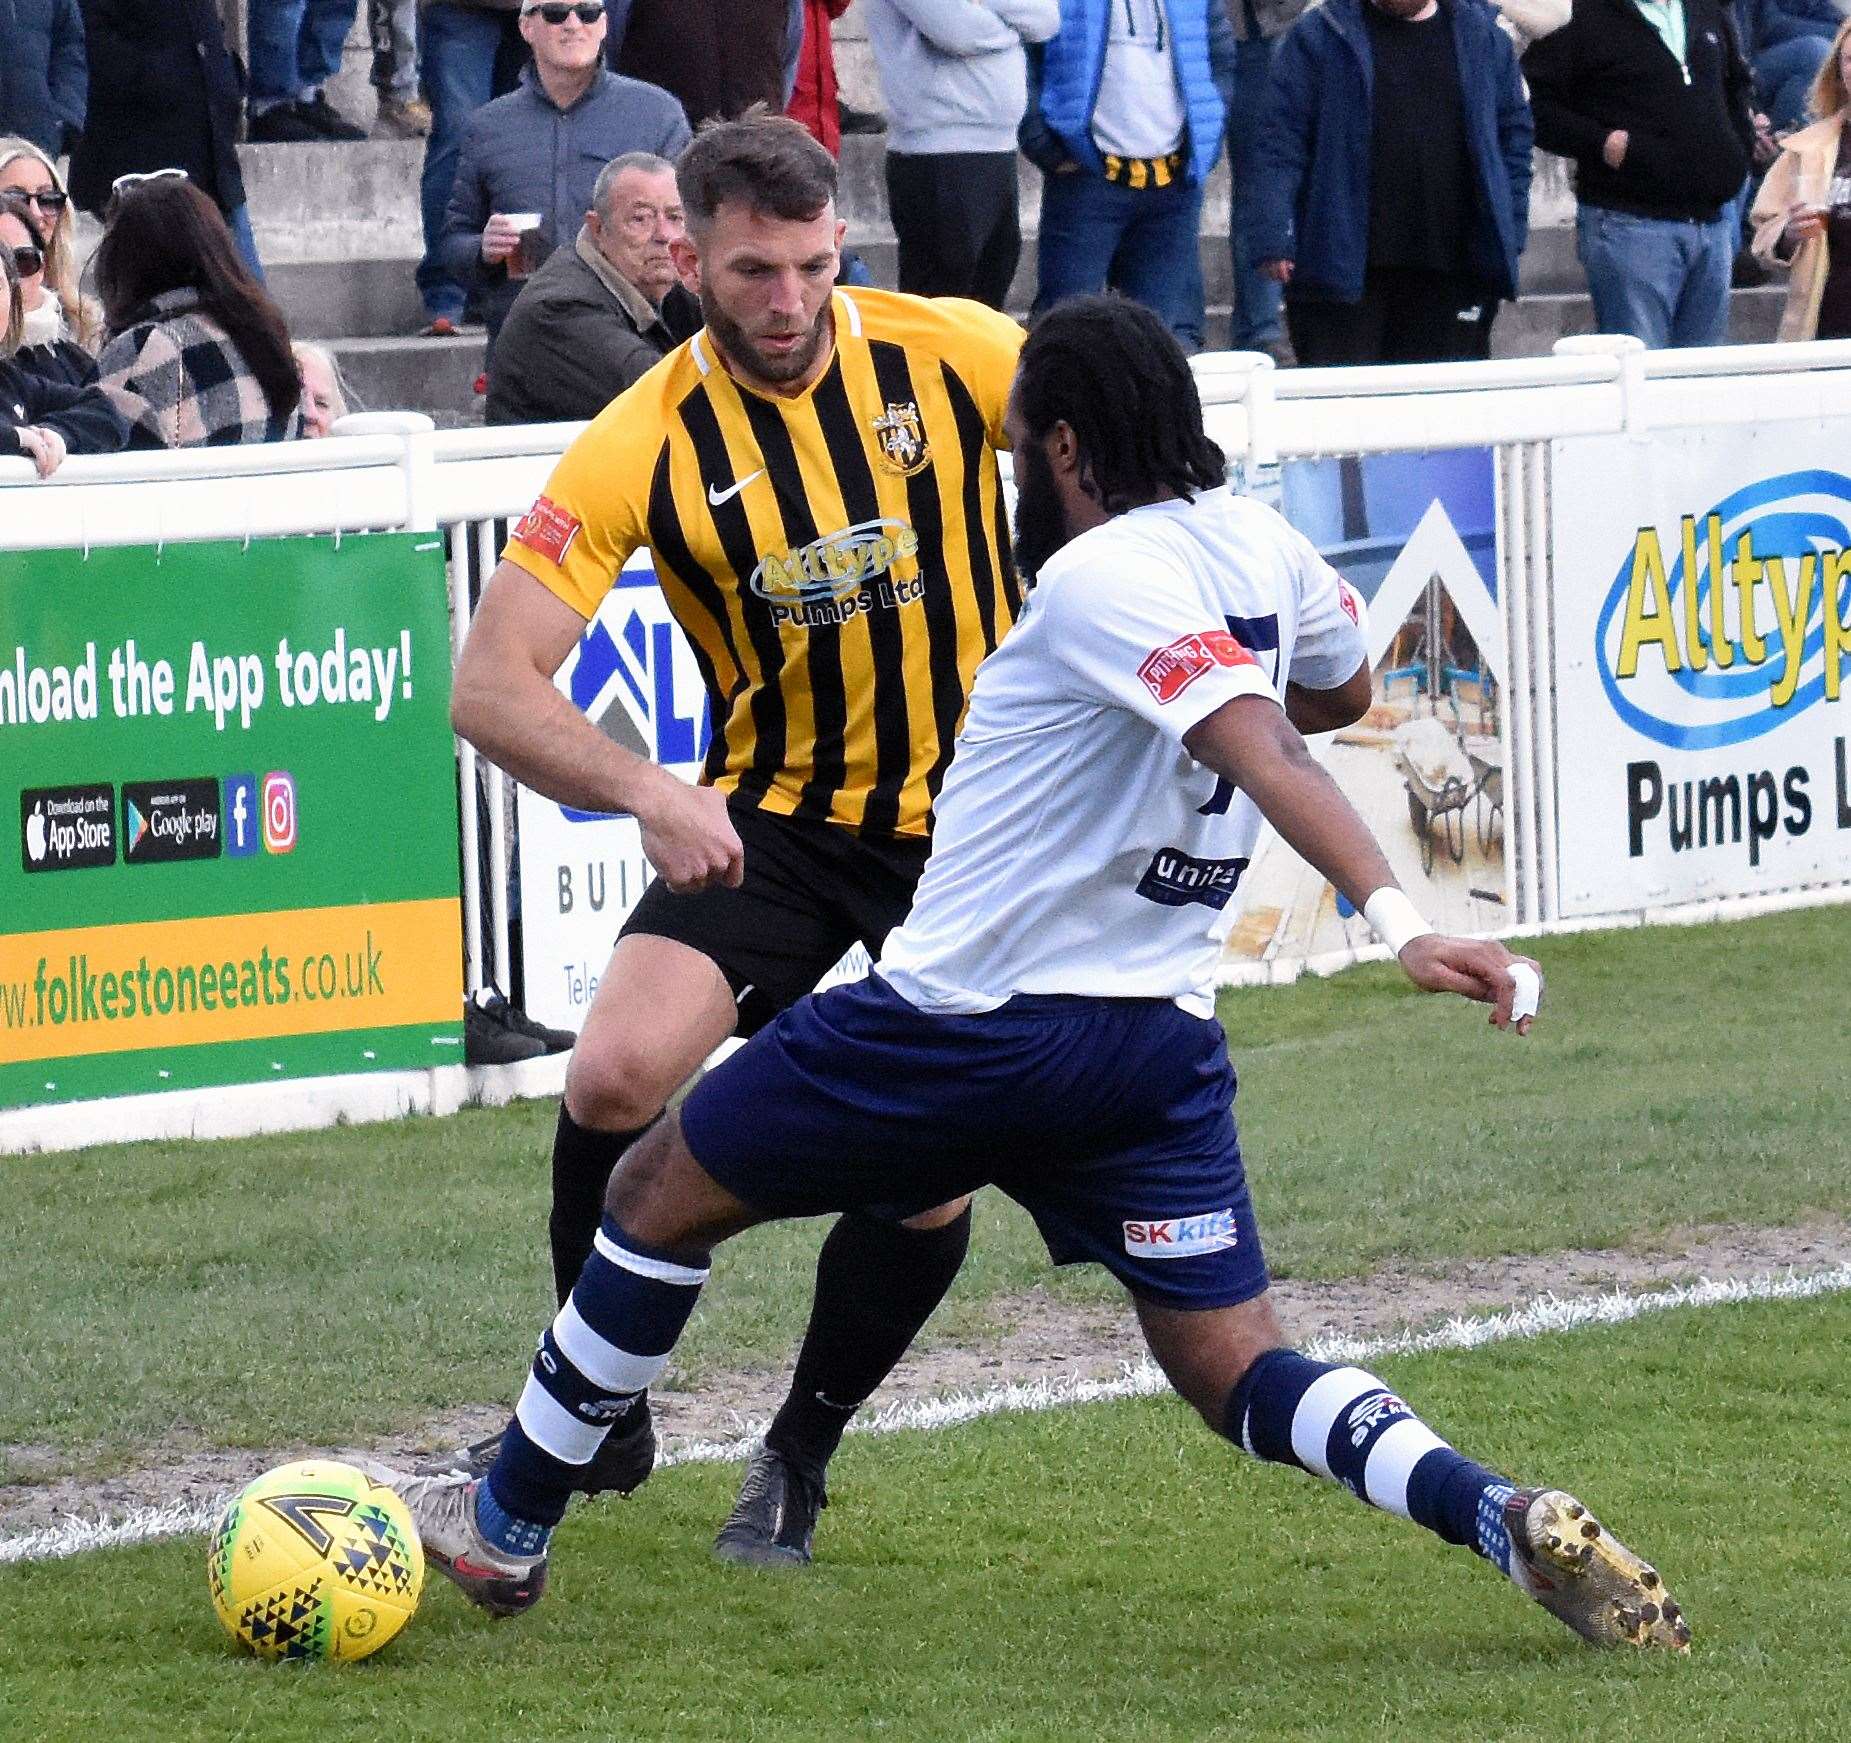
(1785,43)
(1395,187)
(1125,117)
(43,77)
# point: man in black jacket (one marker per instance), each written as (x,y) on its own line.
(164,94)
(1652,101)
(600,314)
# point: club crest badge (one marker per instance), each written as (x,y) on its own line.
(903,446)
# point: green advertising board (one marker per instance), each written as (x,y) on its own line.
(232,779)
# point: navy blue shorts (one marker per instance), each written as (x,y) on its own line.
(1111,1121)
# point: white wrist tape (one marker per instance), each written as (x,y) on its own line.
(1396,920)
(1529,991)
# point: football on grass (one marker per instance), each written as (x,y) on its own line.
(315,1560)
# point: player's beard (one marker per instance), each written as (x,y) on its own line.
(1040,526)
(738,346)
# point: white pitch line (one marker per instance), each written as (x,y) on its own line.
(1545,1315)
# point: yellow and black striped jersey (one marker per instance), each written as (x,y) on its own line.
(839,560)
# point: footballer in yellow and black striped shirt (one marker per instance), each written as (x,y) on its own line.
(815,474)
(837,557)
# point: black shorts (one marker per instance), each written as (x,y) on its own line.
(812,891)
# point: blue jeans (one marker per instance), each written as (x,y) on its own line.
(1664,280)
(465,58)
(295,47)
(1141,241)
(238,221)
(1257,298)
(1783,78)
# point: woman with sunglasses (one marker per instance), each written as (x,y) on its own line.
(198,354)
(29,175)
(42,420)
(45,345)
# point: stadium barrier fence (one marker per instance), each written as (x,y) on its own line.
(395,471)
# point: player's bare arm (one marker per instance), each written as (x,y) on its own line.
(504,702)
(1330,710)
(1250,742)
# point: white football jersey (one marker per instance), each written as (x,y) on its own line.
(1078,847)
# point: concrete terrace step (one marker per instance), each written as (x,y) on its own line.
(438,375)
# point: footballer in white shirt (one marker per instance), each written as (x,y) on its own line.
(1043,1020)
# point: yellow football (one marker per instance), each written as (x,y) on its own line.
(315,1560)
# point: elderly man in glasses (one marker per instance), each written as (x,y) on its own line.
(530,159)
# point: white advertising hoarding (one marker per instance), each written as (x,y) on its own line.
(582,873)
(1701,588)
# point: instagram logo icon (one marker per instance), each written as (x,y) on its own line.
(279,812)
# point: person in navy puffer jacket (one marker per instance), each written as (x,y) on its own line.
(540,149)
(1395,186)
(43,77)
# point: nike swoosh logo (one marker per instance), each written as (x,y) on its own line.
(716,497)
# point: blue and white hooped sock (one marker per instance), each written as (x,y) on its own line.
(609,1342)
(1345,1425)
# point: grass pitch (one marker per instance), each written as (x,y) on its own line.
(1113,1571)
(330,1286)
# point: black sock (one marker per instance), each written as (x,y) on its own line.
(582,1164)
(876,1285)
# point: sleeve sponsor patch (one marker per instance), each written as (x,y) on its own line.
(1169,671)
(548,529)
(1351,601)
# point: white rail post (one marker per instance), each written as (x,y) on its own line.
(1631,355)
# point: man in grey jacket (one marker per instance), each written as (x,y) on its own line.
(600,314)
(954,76)
(540,148)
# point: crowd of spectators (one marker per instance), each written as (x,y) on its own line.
(1380,155)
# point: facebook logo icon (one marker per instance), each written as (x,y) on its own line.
(241,837)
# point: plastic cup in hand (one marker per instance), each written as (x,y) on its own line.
(530,243)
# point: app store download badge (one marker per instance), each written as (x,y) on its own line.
(163,821)
(241,825)
(67,828)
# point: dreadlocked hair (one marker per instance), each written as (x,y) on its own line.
(1109,369)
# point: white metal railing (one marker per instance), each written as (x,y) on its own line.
(391,471)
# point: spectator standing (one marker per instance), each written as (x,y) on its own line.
(541,147)
(469,52)
(295,48)
(814,96)
(392,27)
(717,57)
(43,81)
(198,354)
(601,314)
(954,75)
(47,346)
(41,418)
(29,175)
(1786,42)
(1802,214)
(164,94)
(1394,180)
(1258,322)
(1651,100)
(1124,120)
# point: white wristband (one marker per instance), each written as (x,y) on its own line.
(1396,920)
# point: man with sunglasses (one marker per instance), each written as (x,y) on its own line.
(540,148)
